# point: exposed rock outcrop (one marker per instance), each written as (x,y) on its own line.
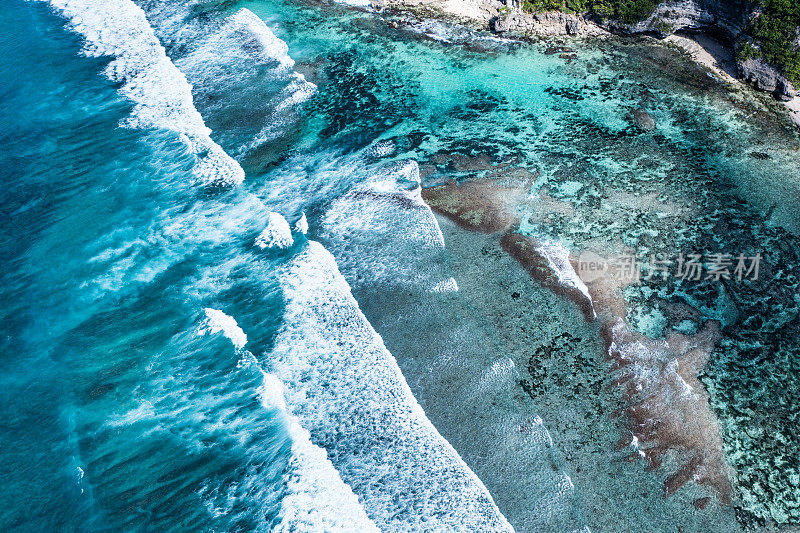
(766,78)
(502,22)
(726,18)
(543,23)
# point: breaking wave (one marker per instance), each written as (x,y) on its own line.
(344,394)
(315,497)
(242,75)
(161,95)
(348,390)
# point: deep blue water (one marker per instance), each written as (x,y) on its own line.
(112,405)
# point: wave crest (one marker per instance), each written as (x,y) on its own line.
(161,95)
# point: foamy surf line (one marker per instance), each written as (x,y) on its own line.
(347,390)
(237,63)
(161,95)
(315,497)
(388,207)
(378,439)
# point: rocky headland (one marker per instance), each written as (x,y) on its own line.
(713,32)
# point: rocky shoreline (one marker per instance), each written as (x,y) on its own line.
(707,30)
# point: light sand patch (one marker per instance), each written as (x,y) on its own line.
(720,60)
(650,202)
(709,53)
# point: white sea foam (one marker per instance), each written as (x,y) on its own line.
(558,258)
(315,497)
(277,234)
(347,390)
(301,226)
(80,477)
(468,386)
(218,322)
(388,207)
(235,64)
(161,95)
(457,34)
(365,4)
(247,23)
(342,383)
(448,285)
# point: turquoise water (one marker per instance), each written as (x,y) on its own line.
(120,412)
(117,416)
(719,173)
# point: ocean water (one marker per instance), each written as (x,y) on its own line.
(226,306)
(118,414)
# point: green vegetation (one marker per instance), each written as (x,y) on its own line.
(747,51)
(628,11)
(664,27)
(774,32)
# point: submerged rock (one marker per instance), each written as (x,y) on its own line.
(667,406)
(644,120)
(549,264)
(485,205)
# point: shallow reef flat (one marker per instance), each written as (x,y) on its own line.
(572,382)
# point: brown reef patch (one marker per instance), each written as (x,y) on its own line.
(536,262)
(484,205)
(666,406)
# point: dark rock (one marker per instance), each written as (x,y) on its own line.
(101,390)
(573,28)
(501,23)
(701,503)
(727,17)
(766,78)
(568,56)
(644,120)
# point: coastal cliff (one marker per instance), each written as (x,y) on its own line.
(746,28)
